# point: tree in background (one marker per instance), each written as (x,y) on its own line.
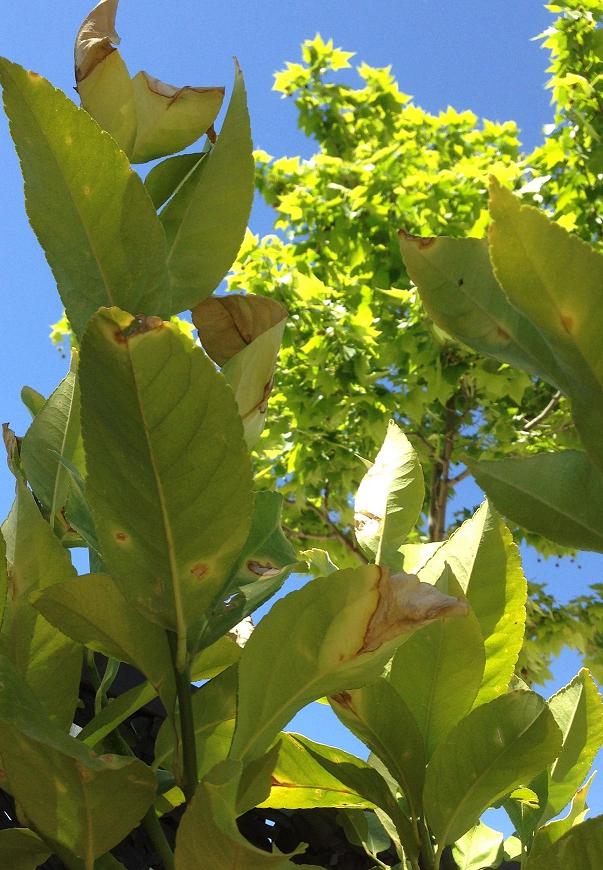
(360,347)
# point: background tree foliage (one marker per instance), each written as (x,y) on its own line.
(360,347)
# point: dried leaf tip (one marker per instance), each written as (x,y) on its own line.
(96,38)
(406,604)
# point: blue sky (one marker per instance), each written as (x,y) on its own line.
(471,54)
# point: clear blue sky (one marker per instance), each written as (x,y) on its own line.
(471,54)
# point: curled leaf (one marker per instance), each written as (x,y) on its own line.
(242,334)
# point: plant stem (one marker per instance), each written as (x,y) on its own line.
(152,826)
(187,722)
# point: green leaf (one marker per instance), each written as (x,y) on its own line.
(557,495)
(461,294)
(21,849)
(389,499)
(309,774)
(49,661)
(54,435)
(336,633)
(92,611)
(363,828)
(379,717)
(439,670)
(159,420)
(486,563)
(525,807)
(498,746)
(33,401)
(78,187)
(553,831)
(318,562)
(578,711)
(243,334)
(554,279)
(60,784)
(210,231)
(208,828)
(165,178)
(116,712)
(480,847)
(581,847)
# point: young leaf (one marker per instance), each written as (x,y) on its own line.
(21,849)
(486,563)
(86,803)
(389,499)
(92,611)
(49,661)
(578,711)
(497,747)
(243,334)
(33,401)
(461,294)
(78,186)
(159,421)
(336,633)
(439,670)
(557,495)
(379,717)
(54,435)
(581,847)
(212,227)
(208,828)
(554,279)
(480,847)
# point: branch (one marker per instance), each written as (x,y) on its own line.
(346,540)
(543,414)
(453,480)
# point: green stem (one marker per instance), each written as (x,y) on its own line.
(152,826)
(187,722)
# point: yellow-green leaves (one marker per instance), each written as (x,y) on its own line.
(146,117)
(336,633)
(169,477)
(242,334)
(78,187)
(486,563)
(389,499)
(578,711)
(567,508)
(21,849)
(498,746)
(207,218)
(86,803)
(582,846)
(480,847)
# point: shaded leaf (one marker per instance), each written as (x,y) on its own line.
(553,831)
(581,846)
(164,179)
(21,849)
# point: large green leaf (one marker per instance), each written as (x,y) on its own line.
(211,227)
(21,849)
(480,847)
(498,746)
(86,803)
(553,831)
(78,187)
(389,499)
(461,294)
(208,828)
(160,422)
(557,495)
(486,563)
(439,670)
(243,334)
(581,848)
(92,610)
(49,661)
(54,435)
(336,633)
(379,717)
(554,279)
(578,711)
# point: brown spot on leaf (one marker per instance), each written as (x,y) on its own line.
(199,570)
(420,241)
(3,774)
(85,774)
(119,337)
(262,570)
(34,76)
(343,698)
(567,323)
(501,333)
(121,537)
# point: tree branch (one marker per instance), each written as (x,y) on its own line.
(531,424)
(338,534)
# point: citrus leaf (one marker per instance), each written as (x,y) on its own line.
(582,846)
